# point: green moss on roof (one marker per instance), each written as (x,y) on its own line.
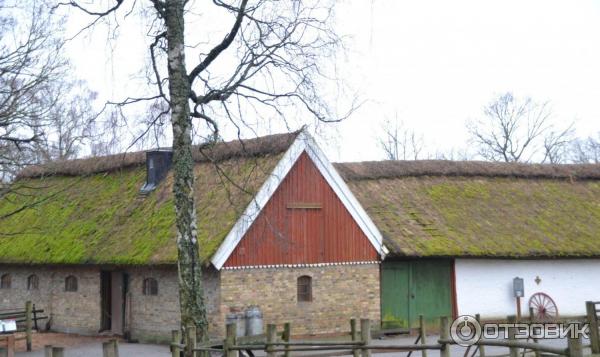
(484,216)
(101,218)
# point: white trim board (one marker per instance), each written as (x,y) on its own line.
(303,143)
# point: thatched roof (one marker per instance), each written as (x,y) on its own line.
(370,170)
(205,153)
(91,212)
(478,209)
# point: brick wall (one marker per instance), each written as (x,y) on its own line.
(339,293)
(153,317)
(76,312)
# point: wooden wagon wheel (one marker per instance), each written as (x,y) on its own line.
(544,308)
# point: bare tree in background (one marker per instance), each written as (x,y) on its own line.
(268,61)
(29,62)
(518,130)
(586,151)
(70,121)
(399,142)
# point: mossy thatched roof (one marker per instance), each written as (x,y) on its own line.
(91,212)
(442,208)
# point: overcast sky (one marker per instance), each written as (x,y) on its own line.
(433,64)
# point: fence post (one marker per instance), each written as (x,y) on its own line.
(35,324)
(575,347)
(28,313)
(271,339)
(590,309)
(10,345)
(365,336)
(58,352)
(354,336)
(531,321)
(190,341)
(481,348)
(110,348)
(230,340)
(48,351)
(175,338)
(514,351)
(445,335)
(422,334)
(286,336)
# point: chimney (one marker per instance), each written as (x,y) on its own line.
(158,164)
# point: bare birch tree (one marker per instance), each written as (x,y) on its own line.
(399,142)
(268,61)
(29,62)
(586,150)
(518,130)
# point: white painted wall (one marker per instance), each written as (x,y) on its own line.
(484,286)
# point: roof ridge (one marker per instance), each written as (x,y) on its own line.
(220,151)
(389,169)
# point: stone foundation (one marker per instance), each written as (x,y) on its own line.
(339,293)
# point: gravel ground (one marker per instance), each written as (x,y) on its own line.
(84,346)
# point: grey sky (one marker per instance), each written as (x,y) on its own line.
(433,63)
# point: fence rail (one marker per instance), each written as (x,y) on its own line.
(27,321)
(275,343)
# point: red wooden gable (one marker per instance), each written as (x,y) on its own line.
(304,222)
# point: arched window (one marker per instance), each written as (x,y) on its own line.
(304,288)
(5,281)
(71,283)
(150,286)
(32,282)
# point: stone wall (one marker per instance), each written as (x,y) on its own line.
(339,292)
(74,312)
(153,317)
(150,318)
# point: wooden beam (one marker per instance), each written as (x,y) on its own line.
(304,205)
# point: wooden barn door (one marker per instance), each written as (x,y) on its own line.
(395,282)
(413,288)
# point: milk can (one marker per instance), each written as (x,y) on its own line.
(240,321)
(254,321)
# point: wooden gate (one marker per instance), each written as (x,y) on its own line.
(415,287)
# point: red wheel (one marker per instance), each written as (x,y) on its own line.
(544,308)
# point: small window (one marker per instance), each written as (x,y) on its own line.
(304,288)
(5,281)
(71,283)
(32,282)
(150,286)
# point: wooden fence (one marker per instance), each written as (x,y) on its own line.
(27,321)
(360,344)
(275,343)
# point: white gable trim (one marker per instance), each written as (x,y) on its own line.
(303,142)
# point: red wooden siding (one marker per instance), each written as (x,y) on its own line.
(286,233)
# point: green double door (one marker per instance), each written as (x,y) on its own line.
(415,287)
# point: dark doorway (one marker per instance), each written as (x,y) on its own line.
(112,301)
(105,300)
